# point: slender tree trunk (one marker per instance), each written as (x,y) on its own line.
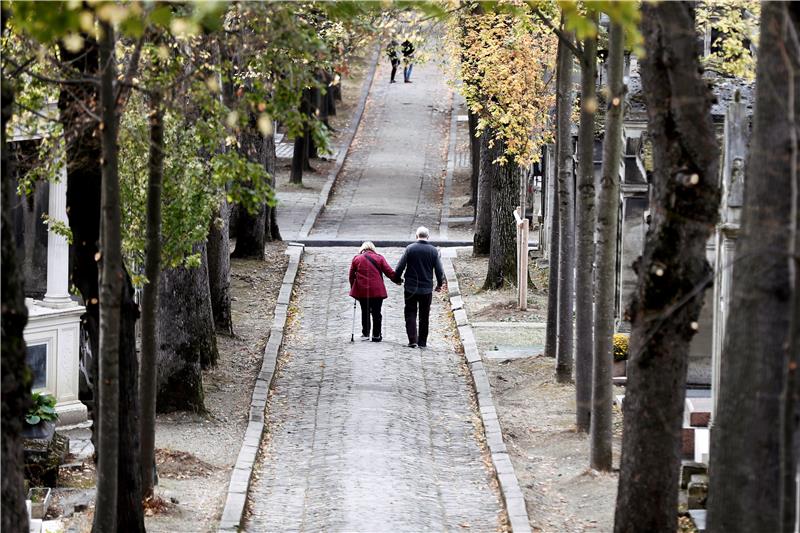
(481,240)
(219,268)
(311,146)
(111,287)
(551,333)
(607,222)
(271,230)
(566,214)
(750,451)
(584,227)
(475,160)
(330,100)
(672,273)
(185,337)
(503,248)
(149,328)
(300,153)
(15,373)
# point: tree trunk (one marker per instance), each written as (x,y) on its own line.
(551,332)
(672,273)
(271,230)
(15,373)
(566,215)
(481,241)
(186,337)
(111,286)
(746,442)
(300,153)
(584,227)
(330,100)
(607,222)
(313,111)
(150,293)
(475,160)
(219,268)
(250,226)
(503,248)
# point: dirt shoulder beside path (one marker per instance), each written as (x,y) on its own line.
(537,414)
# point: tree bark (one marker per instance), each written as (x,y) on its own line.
(149,326)
(271,230)
(219,268)
(481,240)
(503,247)
(250,226)
(584,227)
(475,160)
(607,222)
(15,373)
(748,450)
(566,214)
(551,332)
(111,275)
(672,273)
(186,337)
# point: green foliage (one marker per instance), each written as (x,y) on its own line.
(737,23)
(43,408)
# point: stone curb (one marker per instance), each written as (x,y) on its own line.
(243,469)
(507,479)
(444,224)
(311,219)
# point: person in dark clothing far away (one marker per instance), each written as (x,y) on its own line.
(420,262)
(394,57)
(366,286)
(408,58)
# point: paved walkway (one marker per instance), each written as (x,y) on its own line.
(368,437)
(391,182)
(375,437)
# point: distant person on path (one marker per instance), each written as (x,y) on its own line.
(394,58)
(420,261)
(366,286)
(408,58)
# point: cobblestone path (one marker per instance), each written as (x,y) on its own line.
(368,437)
(392,179)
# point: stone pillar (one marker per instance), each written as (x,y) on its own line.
(57,295)
(732,181)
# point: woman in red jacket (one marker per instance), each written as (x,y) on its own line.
(366,286)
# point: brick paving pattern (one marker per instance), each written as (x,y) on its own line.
(391,182)
(367,436)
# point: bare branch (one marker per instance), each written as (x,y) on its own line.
(575,48)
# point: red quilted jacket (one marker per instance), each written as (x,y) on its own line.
(365,278)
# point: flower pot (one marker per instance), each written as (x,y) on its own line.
(44,430)
(40,501)
(618,369)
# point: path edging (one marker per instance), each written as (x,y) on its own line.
(239,485)
(513,498)
(325,192)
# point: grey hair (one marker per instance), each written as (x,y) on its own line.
(366,246)
(423,232)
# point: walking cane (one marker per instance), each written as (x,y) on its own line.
(353,330)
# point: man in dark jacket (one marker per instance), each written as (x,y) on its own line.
(394,59)
(408,60)
(420,261)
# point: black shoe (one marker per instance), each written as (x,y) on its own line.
(379,338)
(412,344)
(392,81)
(407,81)
(422,345)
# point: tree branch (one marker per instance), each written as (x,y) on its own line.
(575,48)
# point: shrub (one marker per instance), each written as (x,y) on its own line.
(620,347)
(43,409)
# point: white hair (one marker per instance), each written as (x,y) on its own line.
(366,246)
(423,232)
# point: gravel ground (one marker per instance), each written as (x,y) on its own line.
(197,452)
(536,413)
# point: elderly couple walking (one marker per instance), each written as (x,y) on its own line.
(420,262)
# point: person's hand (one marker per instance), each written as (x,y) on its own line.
(438,289)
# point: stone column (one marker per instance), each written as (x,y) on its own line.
(732,178)
(57,294)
